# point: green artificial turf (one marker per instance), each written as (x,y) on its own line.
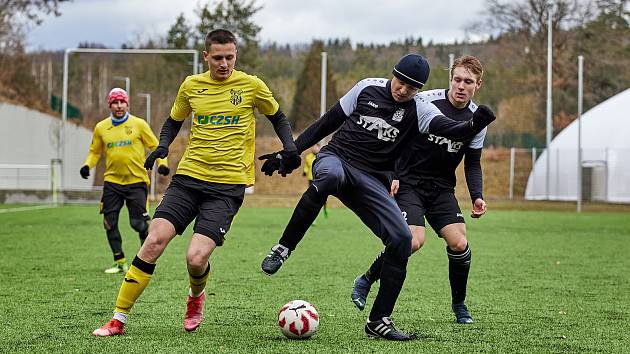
(541,282)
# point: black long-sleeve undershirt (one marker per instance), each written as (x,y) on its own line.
(452,129)
(472,170)
(282,127)
(169,131)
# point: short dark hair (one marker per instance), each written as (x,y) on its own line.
(219,36)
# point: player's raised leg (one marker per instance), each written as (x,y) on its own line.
(137,278)
(329,176)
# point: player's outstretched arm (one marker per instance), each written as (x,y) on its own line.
(289,158)
(452,129)
(321,128)
(169,131)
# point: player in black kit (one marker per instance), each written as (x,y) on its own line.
(427,185)
(372,122)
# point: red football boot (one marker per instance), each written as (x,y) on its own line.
(111,328)
(194,312)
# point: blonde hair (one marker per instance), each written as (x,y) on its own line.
(471,64)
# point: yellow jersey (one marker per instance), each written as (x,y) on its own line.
(221,142)
(308,165)
(124,147)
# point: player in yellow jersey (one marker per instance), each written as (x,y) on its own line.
(210,181)
(123,138)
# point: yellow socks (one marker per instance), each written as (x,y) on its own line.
(134,282)
(198,283)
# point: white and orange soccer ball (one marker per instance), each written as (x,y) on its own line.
(298,319)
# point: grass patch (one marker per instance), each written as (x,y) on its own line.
(540,282)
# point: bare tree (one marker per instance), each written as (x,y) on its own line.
(17,15)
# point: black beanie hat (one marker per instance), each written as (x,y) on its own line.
(412,69)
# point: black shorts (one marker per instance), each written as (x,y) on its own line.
(213,205)
(438,205)
(115,195)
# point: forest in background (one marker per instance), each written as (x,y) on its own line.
(513,53)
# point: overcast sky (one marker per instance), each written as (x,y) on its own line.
(113,22)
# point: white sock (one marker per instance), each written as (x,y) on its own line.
(190,293)
(122,317)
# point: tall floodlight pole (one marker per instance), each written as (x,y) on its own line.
(451,60)
(127,81)
(579,139)
(549,102)
(322,97)
(147,96)
(322,92)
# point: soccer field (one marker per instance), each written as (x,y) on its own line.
(540,282)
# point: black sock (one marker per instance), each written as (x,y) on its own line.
(392,279)
(115,240)
(119,256)
(143,236)
(458,268)
(374,272)
(303,216)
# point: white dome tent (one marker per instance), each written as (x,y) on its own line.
(605,157)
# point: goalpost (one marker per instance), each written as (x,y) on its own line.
(64,102)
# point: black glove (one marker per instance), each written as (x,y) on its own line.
(482,117)
(282,161)
(85,171)
(289,162)
(271,164)
(159,153)
(164,170)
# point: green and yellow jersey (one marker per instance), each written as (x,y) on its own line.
(221,143)
(308,165)
(124,148)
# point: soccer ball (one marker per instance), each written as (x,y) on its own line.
(298,319)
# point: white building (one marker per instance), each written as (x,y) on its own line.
(605,157)
(28,143)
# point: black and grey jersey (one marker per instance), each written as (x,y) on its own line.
(370,127)
(434,157)
(377,125)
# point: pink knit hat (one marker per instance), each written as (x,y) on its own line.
(117,94)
